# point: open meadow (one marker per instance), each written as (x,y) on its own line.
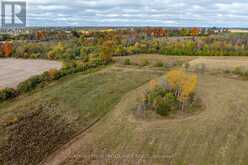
(216,135)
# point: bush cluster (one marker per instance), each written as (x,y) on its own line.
(7,93)
(161,100)
(242,72)
(172,93)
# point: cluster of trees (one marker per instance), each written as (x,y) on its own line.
(195,46)
(206,46)
(38,35)
(174,92)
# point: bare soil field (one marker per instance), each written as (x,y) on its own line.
(220,63)
(14,71)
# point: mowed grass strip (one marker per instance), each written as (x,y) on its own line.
(33,126)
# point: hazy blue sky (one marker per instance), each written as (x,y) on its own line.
(138,12)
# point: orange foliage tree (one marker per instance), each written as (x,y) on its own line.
(195,32)
(7,49)
(41,35)
(156,32)
(53,74)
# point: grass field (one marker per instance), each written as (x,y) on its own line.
(218,135)
(32,126)
(89,119)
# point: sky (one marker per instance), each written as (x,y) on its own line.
(219,13)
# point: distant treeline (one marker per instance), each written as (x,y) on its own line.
(88,45)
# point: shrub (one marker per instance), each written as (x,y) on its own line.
(51,55)
(161,100)
(35,55)
(7,93)
(127,61)
(97,61)
(161,106)
(145,62)
(29,84)
(238,71)
(242,72)
(53,74)
(157,91)
(159,64)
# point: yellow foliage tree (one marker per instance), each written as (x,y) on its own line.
(53,73)
(58,50)
(183,83)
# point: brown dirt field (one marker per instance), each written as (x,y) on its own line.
(14,71)
(218,135)
(220,63)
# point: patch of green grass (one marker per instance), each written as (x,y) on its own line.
(35,124)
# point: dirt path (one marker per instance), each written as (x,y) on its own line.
(13,71)
(215,136)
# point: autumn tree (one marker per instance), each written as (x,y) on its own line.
(7,49)
(53,74)
(107,51)
(195,32)
(41,35)
(57,51)
(182,83)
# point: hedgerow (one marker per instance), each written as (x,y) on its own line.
(7,93)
